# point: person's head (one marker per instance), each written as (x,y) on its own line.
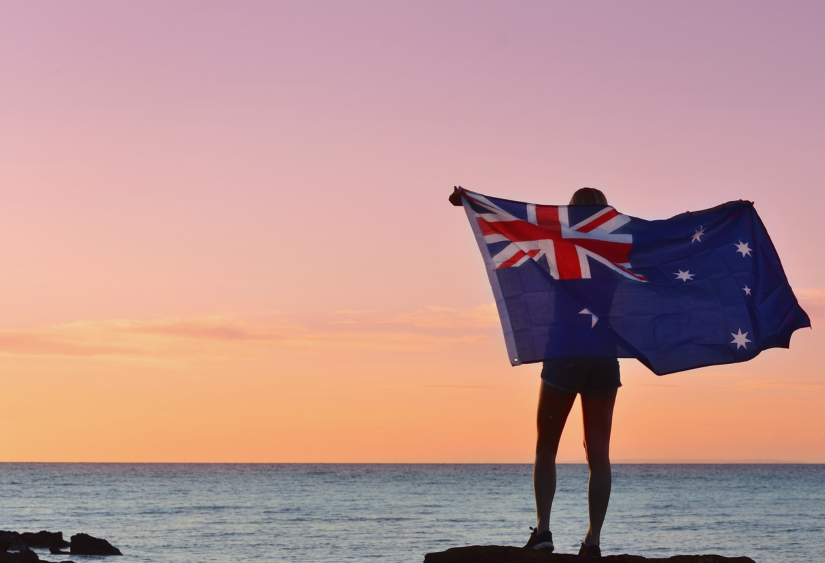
(588,196)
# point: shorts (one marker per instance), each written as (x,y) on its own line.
(582,375)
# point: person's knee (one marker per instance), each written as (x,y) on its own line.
(597,456)
(546,442)
(544,424)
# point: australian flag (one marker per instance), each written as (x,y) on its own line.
(699,289)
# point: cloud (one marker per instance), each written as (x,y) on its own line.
(813,301)
(209,328)
(225,336)
(814,293)
(480,316)
(806,386)
(46,343)
(731,381)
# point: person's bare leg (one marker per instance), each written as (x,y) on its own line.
(597,412)
(554,406)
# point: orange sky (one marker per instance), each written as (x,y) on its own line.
(226,234)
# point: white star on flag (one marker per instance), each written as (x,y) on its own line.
(747,290)
(594,320)
(697,235)
(740,339)
(684,276)
(743,248)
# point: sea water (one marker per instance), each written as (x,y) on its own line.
(395,513)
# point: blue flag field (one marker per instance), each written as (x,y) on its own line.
(699,289)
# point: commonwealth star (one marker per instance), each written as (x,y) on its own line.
(684,276)
(743,248)
(740,339)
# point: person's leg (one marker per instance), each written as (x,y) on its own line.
(554,406)
(597,412)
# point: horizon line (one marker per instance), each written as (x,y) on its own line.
(621,462)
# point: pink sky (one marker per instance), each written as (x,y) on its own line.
(226,235)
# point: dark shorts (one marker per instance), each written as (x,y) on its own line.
(582,375)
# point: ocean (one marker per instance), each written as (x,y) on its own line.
(397,513)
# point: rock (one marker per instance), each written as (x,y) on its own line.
(9,540)
(25,555)
(55,550)
(44,539)
(505,554)
(12,548)
(84,544)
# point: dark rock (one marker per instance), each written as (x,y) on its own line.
(12,546)
(8,540)
(44,539)
(504,554)
(84,544)
(24,555)
(55,550)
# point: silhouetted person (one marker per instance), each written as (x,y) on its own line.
(597,380)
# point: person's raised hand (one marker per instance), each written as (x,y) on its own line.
(455,197)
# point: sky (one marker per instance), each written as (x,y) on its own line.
(226,236)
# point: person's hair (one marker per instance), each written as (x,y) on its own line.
(588,196)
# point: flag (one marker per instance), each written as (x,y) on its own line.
(699,289)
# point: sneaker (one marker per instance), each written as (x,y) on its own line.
(542,540)
(590,550)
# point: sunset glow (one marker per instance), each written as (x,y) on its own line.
(226,235)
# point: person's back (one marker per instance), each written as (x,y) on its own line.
(597,381)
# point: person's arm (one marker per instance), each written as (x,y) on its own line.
(455,197)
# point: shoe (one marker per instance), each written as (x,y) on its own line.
(590,550)
(543,541)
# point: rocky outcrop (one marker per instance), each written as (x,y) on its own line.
(10,541)
(17,542)
(44,539)
(84,544)
(13,549)
(27,556)
(16,547)
(505,554)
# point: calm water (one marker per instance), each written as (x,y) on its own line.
(306,513)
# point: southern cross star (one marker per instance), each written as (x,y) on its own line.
(594,320)
(740,340)
(684,276)
(743,248)
(697,235)
(747,290)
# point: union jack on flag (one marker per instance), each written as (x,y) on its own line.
(698,289)
(546,232)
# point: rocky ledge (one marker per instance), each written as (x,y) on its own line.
(505,554)
(16,547)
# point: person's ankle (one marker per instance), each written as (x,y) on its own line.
(541,528)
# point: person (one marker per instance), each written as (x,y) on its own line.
(597,380)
